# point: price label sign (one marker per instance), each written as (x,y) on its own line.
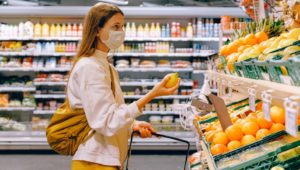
(252,95)
(267,100)
(229,89)
(286,80)
(291,117)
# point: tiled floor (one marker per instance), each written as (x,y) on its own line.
(56,162)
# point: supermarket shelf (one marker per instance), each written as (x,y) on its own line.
(49,112)
(162,97)
(62,96)
(137,12)
(55,54)
(50,83)
(17,89)
(58,69)
(162,54)
(42,112)
(40,38)
(155,69)
(16,69)
(199,71)
(137,83)
(37,141)
(50,96)
(159,112)
(213,39)
(17,108)
(123,83)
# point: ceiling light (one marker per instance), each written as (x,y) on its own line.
(117,2)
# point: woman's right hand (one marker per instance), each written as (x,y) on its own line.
(160,89)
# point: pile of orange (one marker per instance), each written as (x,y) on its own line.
(244,131)
(242,44)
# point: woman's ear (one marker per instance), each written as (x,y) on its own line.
(98,33)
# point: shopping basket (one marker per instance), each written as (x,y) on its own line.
(159,135)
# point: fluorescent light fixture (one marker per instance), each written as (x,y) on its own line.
(117,2)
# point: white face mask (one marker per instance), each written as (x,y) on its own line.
(115,39)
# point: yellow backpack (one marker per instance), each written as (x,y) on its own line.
(68,127)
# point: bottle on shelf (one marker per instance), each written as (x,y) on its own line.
(79,34)
(178,31)
(140,32)
(133,30)
(168,31)
(146,30)
(58,30)
(127,30)
(189,30)
(157,30)
(45,30)
(173,29)
(63,30)
(163,31)
(21,29)
(52,31)
(152,30)
(69,30)
(74,30)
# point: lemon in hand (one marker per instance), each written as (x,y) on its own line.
(173,80)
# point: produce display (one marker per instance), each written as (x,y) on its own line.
(27,100)
(264,51)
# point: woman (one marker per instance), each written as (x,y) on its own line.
(93,85)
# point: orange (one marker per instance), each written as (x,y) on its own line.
(218,149)
(261,36)
(259,106)
(220,138)
(234,132)
(209,127)
(232,48)
(224,50)
(250,128)
(277,114)
(210,136)
(240,42)
(261,133)
(251,119)
(276,127)
(234,145)
(250,39)
(235,119)
(263,123)
(247,139)
(253,114)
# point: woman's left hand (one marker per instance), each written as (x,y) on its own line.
(144,128)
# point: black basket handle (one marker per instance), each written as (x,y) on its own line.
(159,135)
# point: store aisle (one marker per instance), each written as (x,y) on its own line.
(56,162)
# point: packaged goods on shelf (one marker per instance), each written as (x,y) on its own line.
(152,64)
(7,124)
(15,81)
(7,101)
(39,124)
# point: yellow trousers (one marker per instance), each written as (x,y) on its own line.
(84,165)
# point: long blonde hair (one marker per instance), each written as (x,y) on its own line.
(96,18)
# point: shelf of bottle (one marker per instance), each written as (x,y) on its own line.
(147,112)
(215,39)
(156,69)
(162,97)
(48,54)
(66,69)
(63,96)
(121,54)
(123,83)
(17,108)
(17,89)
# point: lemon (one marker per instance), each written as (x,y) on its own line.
(173,80)
(294,33)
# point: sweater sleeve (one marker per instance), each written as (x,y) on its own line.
(103,113)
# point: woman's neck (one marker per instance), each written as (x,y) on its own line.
(102,47)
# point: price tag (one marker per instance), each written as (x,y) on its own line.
(229,89)
(291,117)
(223,87)
(265,76)
(252,95)
(267,100)
(286,80)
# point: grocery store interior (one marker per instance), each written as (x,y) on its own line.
(237,105)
